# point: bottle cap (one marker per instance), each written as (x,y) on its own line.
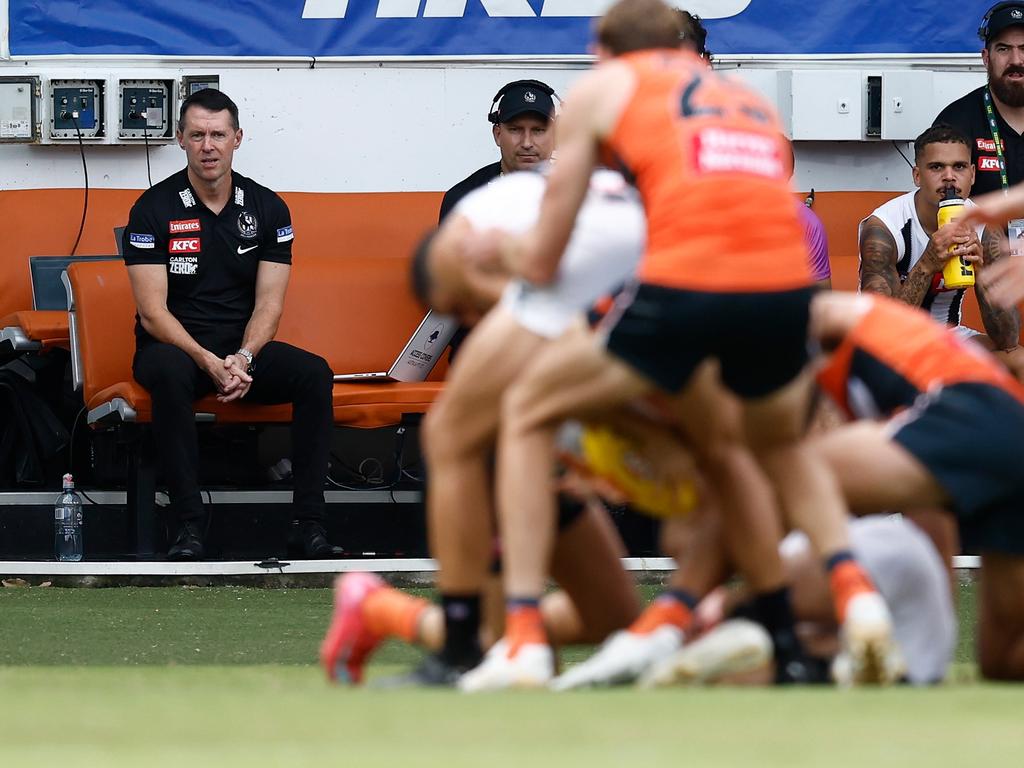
(69,481)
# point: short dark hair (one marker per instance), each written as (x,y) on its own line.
(694,33)
(940,133)
(212,100)
(419,269)
(638,25)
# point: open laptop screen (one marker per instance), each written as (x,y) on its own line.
(47,290)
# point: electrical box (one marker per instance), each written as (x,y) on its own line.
(908,103)
(76,109)
(827,105)
(192,83)
(143,110)
(19,109)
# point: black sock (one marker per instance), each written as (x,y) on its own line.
(461,629)
(842,556)
(683,596)
(773,610)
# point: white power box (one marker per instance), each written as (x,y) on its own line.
(19,109)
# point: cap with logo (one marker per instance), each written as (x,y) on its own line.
(519,98)
(1001,16)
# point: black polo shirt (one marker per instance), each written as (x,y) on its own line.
(211,259)
(968,114)
(475,180)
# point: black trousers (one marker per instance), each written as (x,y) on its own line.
(281,374)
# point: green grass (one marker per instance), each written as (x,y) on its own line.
(226,677)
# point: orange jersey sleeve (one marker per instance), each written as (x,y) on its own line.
(912,345)
(710,163)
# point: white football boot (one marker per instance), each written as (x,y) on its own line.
(622,658)
(532,666)
(734,647)
(869,654)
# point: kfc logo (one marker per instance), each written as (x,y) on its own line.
(184,245)
(186,225)
(988,163)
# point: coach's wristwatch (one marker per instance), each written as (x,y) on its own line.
(248,359)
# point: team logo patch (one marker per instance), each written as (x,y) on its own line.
(529,97)
(986,145)
(183,245)
(248,227)
(185,225)
(723,150)
(183,265)
(284,234)
(142,241)
(239,196)
(187,198)
(988,163)
(1016,14)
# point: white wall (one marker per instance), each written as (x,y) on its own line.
(367,127)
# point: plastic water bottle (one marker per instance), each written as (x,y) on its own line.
(67,523)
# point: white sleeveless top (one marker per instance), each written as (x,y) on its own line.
(900,218)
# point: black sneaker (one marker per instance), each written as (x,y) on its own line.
(188,544)
(433,672)
(312,539)
(792,665)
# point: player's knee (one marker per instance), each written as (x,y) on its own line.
(166,371)
(316,376)
(440,433)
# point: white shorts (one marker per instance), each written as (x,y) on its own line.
(603,252)
(910,575)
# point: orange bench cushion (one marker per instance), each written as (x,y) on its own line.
(355,405)
(50,327)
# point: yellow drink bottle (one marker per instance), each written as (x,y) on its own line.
(958,272)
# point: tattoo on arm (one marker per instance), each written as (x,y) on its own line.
(878,259)
(1001,325)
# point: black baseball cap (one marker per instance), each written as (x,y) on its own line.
(520,98)
(1001,17)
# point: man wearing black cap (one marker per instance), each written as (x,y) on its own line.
(521,115)
(992,116)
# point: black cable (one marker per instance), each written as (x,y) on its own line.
(85,171)
(897,146)
(71,443)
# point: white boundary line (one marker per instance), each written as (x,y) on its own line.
(248,568)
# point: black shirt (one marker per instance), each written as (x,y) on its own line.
(477,179)
(968,114)
(211,259)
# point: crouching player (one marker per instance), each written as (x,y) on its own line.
(954,439)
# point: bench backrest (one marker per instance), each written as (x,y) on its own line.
(355,311)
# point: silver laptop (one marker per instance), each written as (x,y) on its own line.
(419,355)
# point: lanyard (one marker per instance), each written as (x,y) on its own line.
(993,126)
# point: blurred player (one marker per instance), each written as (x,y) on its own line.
(707,157)
(954,439)
(461,427)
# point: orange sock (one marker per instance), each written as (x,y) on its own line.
(664,610)
(391,613)
(523,625)
(847,580)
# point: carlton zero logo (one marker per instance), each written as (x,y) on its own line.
(722,150)
(411,9)
(187,225)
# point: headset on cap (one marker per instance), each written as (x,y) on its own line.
(983,29)
(547,90)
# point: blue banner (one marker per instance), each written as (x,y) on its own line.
(375,28)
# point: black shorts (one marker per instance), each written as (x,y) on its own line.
(970,437)
(760,339)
